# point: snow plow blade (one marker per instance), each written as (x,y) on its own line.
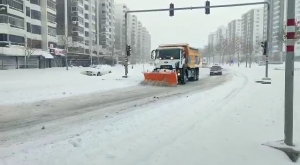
(161,78)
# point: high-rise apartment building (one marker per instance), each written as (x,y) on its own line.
(233,36)
(277,21)
(120,44)
(137,36)
(81,28)
(252,31)
(139,43)
(147,45)
(27,23)
(107,24)
(133,28)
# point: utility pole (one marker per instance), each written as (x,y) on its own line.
(66,40)
(269,40)
(97,28)
(289,73)
(112,55)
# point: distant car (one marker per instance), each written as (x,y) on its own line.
(98,70)
(261,63)
(216,70)
(205,65)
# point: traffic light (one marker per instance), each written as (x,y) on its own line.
(264,45)
(128,50)
(171,11)
(207,9)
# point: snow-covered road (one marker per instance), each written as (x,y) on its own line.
(224,122)
(33,116)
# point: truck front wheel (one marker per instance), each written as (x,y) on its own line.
(183,76)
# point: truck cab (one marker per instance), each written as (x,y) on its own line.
(168,58)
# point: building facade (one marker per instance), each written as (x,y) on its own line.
(233,37)
(252,24)
(120,43)
(107,24)
(81,29)
(32,26)
(133,33)
(277,21)
(137,36)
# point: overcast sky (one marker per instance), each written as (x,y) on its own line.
(190,26)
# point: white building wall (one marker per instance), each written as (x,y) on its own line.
(107,24)
(30,22)
(258,25)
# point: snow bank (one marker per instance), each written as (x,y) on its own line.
(28,85)
(225,125)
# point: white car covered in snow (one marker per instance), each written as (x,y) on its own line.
(98,70)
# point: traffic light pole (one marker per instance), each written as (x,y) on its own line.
(194,8)
(289,73)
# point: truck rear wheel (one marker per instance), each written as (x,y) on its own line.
(194,78)
(197,74)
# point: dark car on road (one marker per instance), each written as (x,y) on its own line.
(216,70)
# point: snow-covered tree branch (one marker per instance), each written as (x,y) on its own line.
(29,48)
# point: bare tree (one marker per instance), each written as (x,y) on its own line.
(230,48)
(245,50)
(30,47)
(256,50)
(210,51)
(66,41)
(238,48)
(221,48)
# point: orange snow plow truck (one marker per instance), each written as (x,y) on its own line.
(174,64)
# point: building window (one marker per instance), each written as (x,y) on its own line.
(79,19)
(36,2)
(86,7)
(51,18)
(36,29)
(51,31)
(28,11)
(28,27)
(51,4)
(13,21)
(14,4)
(77,9)
(78,29)
(35,14)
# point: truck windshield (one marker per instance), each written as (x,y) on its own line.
(168,54)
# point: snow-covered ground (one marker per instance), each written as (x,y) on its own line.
(225,125)
(29,85)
